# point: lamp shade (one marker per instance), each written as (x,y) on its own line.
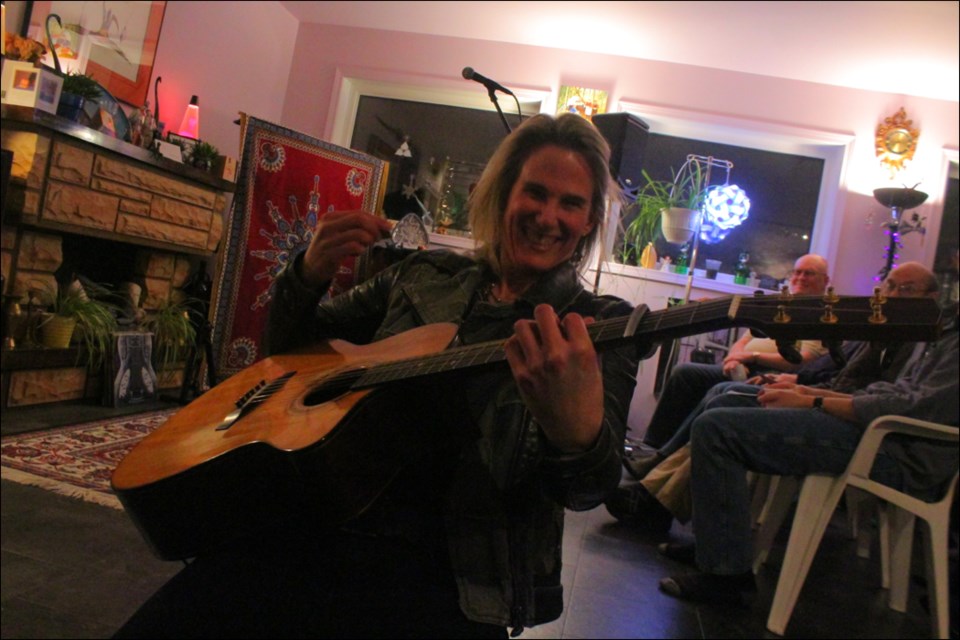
(900,198)
(190,125)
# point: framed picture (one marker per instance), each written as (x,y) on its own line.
(582,101)
(114,42)
(30,86)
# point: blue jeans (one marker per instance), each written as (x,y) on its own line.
(716,397)
(726,442)
(687,385)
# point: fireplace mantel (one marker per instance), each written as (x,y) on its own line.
(70,178)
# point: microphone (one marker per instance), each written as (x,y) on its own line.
(491,85)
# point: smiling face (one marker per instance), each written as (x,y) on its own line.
(809,276)
(547,213)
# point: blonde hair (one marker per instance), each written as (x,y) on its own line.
(488,202)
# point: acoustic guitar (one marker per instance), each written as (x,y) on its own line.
(305,431)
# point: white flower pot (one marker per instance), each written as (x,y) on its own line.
(678,224)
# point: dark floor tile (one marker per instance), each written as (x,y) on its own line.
(71,569)
(25,619)
(602,615)
(22,574)
(77,570)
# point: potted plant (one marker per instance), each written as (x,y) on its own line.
(202,155)
(173,332)
(77,89)
(670,206)
(91,320)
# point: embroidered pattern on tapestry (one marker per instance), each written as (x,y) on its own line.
(287,182)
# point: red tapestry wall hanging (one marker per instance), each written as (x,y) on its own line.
(287,181)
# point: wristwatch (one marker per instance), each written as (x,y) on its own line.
(818,403)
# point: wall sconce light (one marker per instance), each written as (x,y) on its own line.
(896,141)
(190,125)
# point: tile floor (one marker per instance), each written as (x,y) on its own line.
(71,569)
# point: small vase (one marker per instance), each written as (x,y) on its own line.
(55,333)
(648,259)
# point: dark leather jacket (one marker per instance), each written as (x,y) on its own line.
(503,510)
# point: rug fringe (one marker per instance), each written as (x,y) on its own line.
(64,489)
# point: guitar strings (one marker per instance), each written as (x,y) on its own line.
(603,330)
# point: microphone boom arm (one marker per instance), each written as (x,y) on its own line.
(492,88)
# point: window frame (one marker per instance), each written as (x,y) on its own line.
(835,149)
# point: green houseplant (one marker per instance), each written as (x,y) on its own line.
(681,196)
(174,333)
(202,155)
(77,89)
(90,320)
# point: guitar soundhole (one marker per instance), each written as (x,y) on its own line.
(331,389)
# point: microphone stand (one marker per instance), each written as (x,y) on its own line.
(493,98)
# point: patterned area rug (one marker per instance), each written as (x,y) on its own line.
(76,461)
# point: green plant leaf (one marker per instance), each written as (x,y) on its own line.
(174,333)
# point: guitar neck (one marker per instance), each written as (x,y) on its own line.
(786,319)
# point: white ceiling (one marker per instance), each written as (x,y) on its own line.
(909,48)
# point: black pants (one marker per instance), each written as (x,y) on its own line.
(300,584)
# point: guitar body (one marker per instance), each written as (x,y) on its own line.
(189,486)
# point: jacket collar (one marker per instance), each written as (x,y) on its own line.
(559,288)
(446,300)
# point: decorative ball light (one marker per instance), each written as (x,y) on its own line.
(725,208)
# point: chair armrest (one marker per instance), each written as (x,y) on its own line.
(879,428)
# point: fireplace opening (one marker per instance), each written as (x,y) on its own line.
(102,262)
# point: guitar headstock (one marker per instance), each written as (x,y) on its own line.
(832,317)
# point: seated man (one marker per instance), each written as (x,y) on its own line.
(802,431)
(689,382)
(866,363)
(663,493)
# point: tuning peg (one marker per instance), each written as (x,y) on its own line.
(830,297)
(782,316)
(877,316)
(878,297)
(828,317)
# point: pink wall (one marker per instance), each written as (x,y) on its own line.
(325,53)
(255,57)
(234,55)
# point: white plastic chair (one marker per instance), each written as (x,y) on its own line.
(818,499)
(774,496)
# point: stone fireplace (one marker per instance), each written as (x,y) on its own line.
(92,206)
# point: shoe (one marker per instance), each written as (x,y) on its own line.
(682,552)
(635,506)
(709,588)
(639,466)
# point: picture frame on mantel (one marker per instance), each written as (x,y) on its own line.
(114,42)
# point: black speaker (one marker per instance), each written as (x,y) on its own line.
(627,136)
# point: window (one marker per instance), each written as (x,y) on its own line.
(750,144)
(452,133)
(448,147)
(783,189)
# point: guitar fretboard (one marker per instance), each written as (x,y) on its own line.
(781,318)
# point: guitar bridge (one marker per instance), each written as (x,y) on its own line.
(253,398)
